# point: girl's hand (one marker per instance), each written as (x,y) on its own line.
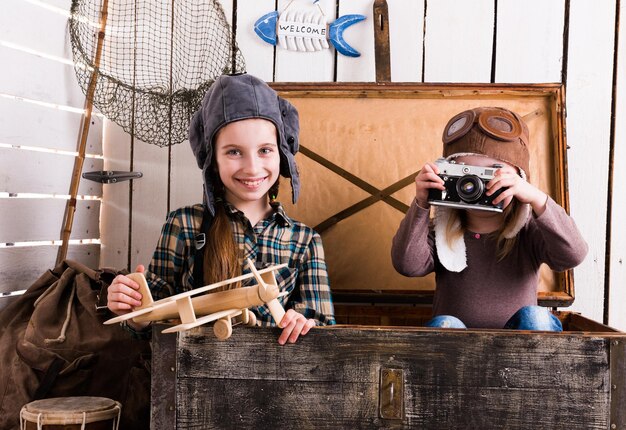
(294,324)
(426,179)
(523,191)
(122,296)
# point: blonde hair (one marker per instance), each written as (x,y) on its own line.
(457,226)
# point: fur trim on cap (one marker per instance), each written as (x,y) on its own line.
(451,257)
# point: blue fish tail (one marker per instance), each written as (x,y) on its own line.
(265,27)
(335,34)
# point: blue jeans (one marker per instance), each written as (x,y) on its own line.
(527,318)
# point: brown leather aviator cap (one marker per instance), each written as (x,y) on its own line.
(490,131)
(236,97)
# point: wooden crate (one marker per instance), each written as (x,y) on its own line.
(361,146)
(370,377)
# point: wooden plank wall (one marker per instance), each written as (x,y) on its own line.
(589,78)
(41,108)
(570,41)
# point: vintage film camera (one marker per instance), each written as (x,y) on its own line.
(465,186)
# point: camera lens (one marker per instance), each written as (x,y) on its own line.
(469,188)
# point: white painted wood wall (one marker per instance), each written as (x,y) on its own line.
(41,109)
(506,41)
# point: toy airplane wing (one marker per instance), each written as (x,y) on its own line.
(229,313)
(129,315)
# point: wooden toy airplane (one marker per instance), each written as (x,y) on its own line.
(222,307)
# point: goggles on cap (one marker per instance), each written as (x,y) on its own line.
(496,123)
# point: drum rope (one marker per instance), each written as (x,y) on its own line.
(116,422)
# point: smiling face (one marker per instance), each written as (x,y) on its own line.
(248,161)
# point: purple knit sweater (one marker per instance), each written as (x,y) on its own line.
(488,292)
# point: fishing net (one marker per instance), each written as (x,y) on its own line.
(157,59)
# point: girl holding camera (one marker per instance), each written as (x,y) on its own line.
(487,262)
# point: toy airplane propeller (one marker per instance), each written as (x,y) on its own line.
(222,307)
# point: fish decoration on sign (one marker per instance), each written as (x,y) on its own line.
(306,31)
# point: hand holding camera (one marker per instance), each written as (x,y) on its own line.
(508,183)
(427,178)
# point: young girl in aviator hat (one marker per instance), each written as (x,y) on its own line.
(487,263)
(243,137)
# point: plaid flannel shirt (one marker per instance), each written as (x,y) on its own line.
(274,240)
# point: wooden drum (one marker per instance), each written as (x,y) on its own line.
(68,413)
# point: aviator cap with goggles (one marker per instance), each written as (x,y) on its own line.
(490,131)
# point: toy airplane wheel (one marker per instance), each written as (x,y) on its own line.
(223,328)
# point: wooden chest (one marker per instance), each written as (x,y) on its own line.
(389,377)
(361,146)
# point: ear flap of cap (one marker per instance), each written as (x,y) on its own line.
(196,138)
(290,144)
(452,256)
(291,124)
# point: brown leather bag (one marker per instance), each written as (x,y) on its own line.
(53,344)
